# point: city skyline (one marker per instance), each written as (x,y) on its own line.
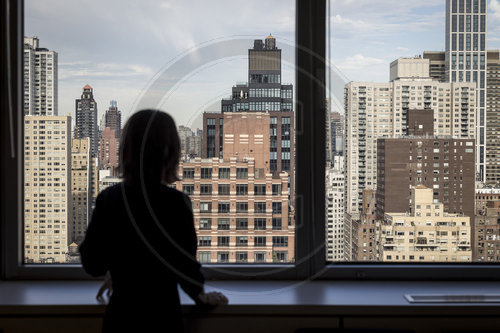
(366,37)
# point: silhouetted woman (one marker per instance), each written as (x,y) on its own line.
(142,233)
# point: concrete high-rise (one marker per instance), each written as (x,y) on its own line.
(334,215)
(47,186)
(40,79)
(466,61)
(437,65)
(381,110)
(86,119)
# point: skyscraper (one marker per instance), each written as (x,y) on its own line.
(40,79)
(86,119)
(493,116)
(113,119)
(47,186)
(108,150)
(466,60)
(264,92)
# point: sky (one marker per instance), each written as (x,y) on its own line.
(184,56)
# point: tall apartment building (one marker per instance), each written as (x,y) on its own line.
(466,61)
(437,65)
(493,116)
(40,79)
(380,110)
(444,165)
(86,119)
(425,233)
(264,92)
(241,212)
(334,215)
(487,235)
(485,195)
(81,178)
(113,119)
(47,185)
(336,137)
(366,230)
(109,145)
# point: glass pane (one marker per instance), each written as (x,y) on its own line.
(411,176)
(229,87)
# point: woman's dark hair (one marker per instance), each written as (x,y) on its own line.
(149,148)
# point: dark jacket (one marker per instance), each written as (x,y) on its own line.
(147,241)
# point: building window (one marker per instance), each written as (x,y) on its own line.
(280,256)
(206,173)
(276,207)
(241,224)
(260,208)
(222,257)
(242,241)
(259,241)
(206,189)
(276,189)
(224,173)
(242,207)
(205,207)
(276,223)
(241,173)
(224,189)
(280,241)
(259,224)
(188,189)
(205,241)
(204,257)
(188,173)
(260,256)
(241,257)
(241,189)
(223,241)
(205,224)
(223,224)
(259,189)
(223,207)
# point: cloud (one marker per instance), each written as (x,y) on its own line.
(401,48)
(494,10)
(357,62)
(83,69)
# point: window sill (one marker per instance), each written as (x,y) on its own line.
(317,298)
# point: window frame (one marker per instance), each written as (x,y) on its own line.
(310,256)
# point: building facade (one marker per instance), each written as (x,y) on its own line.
(466,56)
(47,186)
(487,235)
(366,230)
(81,185)
(380,110)
(334,215)
(86,119)
(191,141)
(109,146)
(437,65)
(493,116)
(425,233)
(40,79)
(241,214)
(113,119)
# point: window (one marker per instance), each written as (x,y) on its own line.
(188,173)
(241,189)
(260,256)
(260,189)
(205,224)
(241,173)
(188,189)
(205,241)
(241,224)
(204,257)
(280,256)
(242,207)
(224,173)
(222,241)
(222,257)
(280,241)
(260,207)
(259,241)
(276,189)
(205,189)
(206,173)
(224,189)
(276,223)
(205,207)
(242,241)
(276,207)
(223,224)
(223,207)
(241,257)
(259,224)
